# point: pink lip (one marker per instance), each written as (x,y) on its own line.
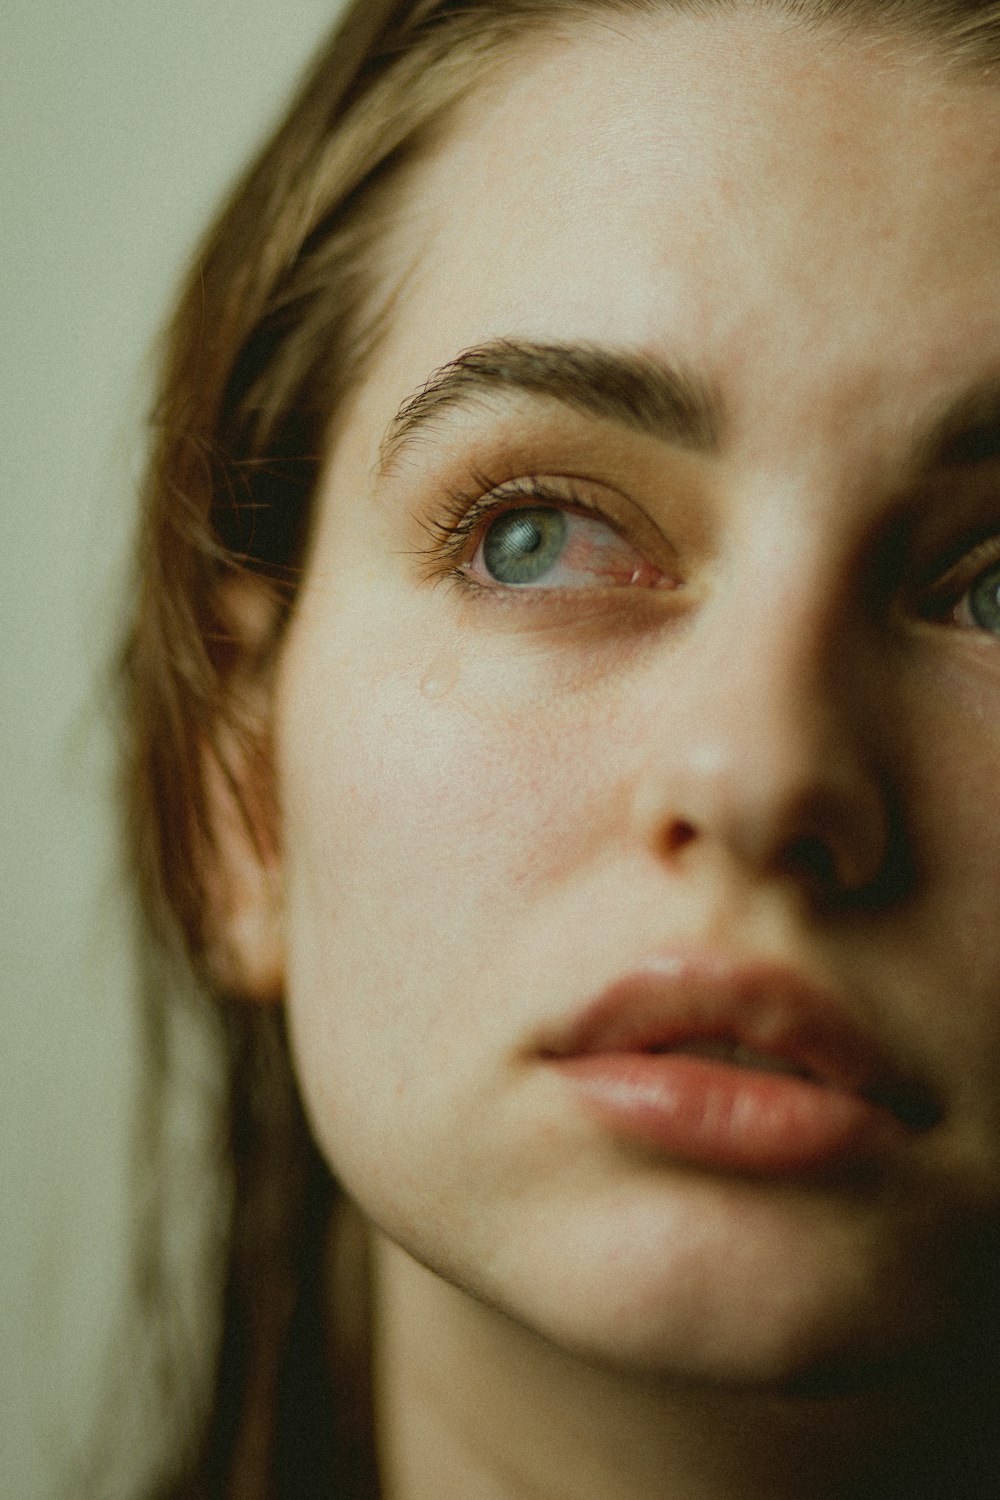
(822,1094)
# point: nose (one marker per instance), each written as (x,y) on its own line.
(761,750)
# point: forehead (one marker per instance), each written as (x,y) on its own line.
(815,211)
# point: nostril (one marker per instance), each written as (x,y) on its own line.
(678,835)
(812,857)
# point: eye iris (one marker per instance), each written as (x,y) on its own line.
(984,601)
(522,545)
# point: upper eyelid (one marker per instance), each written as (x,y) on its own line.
(599,499)
(963,570)
(539,492)
(558,489)
(468,509)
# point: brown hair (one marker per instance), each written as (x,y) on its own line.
(274,325)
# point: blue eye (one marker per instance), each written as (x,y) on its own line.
(554,548)
(984,600)
(521,546)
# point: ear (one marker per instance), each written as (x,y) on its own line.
(244,920)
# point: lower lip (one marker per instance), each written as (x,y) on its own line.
(713,1114)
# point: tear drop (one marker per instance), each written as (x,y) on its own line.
(440,678)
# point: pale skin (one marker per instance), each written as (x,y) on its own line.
(498,799)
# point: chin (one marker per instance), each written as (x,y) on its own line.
(807,1355)
(763,1295)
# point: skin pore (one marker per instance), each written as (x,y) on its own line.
(750,714)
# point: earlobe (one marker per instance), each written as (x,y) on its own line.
(248,960)
(243,881)
(245,949)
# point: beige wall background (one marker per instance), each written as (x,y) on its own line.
(120,123)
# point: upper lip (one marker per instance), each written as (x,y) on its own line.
(680,999)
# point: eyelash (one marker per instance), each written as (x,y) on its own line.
(464,513)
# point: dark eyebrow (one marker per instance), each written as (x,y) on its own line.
(617,385)
(967,433)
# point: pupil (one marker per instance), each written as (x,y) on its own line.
(523,537)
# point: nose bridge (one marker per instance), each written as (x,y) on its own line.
(763,750)
(769,704)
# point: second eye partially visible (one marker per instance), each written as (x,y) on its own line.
(968,594)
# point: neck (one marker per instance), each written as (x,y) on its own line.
(472,1406)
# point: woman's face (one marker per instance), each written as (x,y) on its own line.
(639,726)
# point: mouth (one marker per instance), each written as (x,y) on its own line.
(734,1066)
(734,1055)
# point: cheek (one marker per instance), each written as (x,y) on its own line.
(952,774)
(435,811)
(413,784)
(446,778)
(939,946)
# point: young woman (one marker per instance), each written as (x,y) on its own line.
(565,709)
